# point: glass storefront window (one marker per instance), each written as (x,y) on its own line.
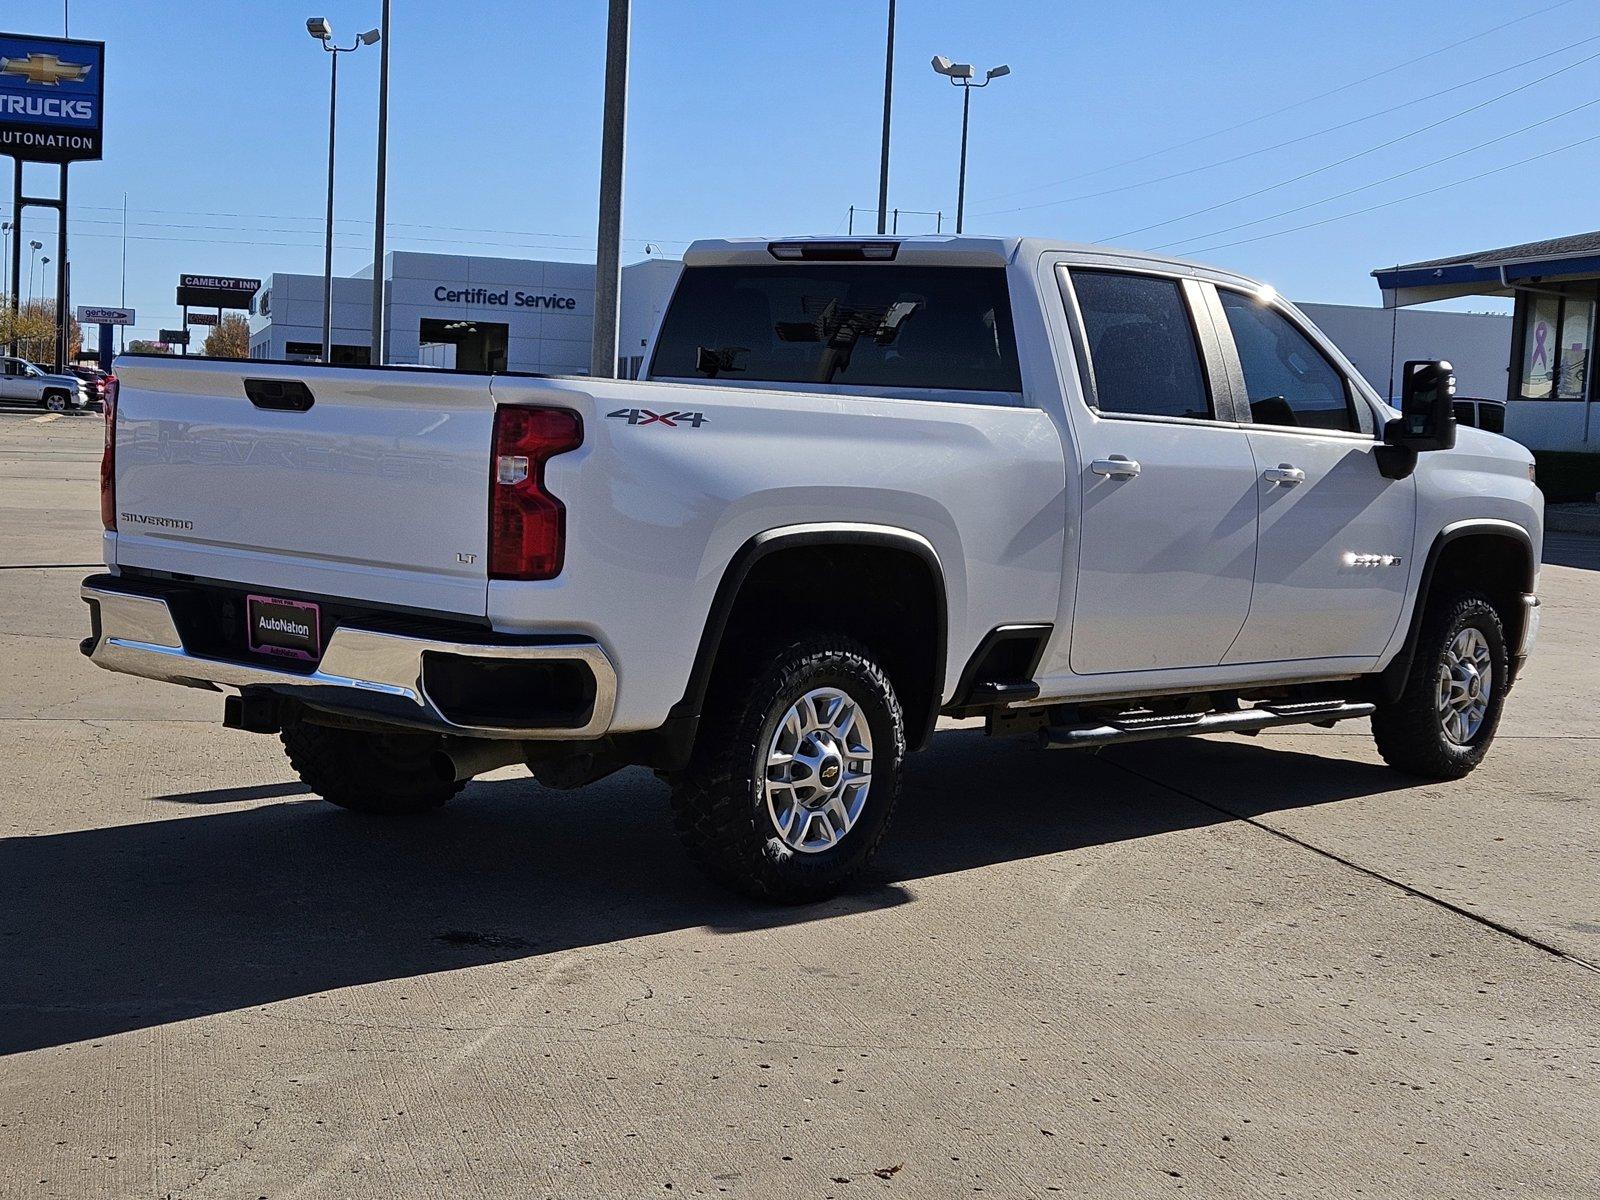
(1539,347)
(1577,324)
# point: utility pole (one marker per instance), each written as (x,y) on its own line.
(888,94)
(383,188)
(608,252)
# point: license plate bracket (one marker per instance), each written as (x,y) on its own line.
(286,628)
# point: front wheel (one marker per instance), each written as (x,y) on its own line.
(796,773)
(1441,725)
(55,401)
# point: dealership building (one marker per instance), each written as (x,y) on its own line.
(462,311)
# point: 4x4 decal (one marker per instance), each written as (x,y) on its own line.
(643,416)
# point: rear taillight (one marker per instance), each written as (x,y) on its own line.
(527,525)
(108,468)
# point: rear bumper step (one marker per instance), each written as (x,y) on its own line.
(362,672)
(1145,729)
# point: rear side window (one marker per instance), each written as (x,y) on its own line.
(1286,377)
(1142,345)
(867,325)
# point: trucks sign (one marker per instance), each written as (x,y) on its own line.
(52,92)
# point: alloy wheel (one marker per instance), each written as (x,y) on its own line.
(1466,684)
(818,770)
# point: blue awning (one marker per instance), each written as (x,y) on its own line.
(1491,272)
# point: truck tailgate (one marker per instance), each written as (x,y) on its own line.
(377,491)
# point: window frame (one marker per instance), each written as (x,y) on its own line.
(1354,402)
(1219,392)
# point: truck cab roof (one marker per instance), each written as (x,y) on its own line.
(927,249)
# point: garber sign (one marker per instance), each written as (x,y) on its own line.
(104,316)
(52,91)
(506,297)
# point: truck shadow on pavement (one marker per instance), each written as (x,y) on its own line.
(113,929)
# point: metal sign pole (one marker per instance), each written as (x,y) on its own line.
(16,252)
(63,314)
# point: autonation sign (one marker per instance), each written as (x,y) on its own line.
(52,93)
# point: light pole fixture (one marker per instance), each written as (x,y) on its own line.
(33,257)
(5,259)
(319,29)
(962,75)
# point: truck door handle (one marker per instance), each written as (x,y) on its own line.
(1285,474)
(1115,467)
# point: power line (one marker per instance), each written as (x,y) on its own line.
(1443,187)
(362,222)
(1304,137)
(1455,116)
(1343,87)
(1375,183)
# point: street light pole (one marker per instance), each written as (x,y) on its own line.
(888,94)
(319,28)
(608,252)
(33,261)
(327,246)
(383,187)
(961,75)
(961,185)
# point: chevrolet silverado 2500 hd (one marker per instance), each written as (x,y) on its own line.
(1091,496)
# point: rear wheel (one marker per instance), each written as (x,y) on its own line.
(796,773)
(1444,720)
(390,774)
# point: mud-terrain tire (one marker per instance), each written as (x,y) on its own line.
(383,774)
(1445,718)
(772,803)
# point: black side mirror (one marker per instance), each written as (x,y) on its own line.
(1427,419)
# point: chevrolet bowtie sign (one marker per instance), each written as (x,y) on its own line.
(52,91)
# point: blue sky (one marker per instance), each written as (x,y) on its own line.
(763,118)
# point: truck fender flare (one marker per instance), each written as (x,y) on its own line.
(789,537)
(1391,680)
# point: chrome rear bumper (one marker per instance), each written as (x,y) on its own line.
(362,672)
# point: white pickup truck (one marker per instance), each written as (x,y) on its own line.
(1093,497)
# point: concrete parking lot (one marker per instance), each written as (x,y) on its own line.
(1222,967)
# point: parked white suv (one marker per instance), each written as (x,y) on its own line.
(1093,497)
(22,382)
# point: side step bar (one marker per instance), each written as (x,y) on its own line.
(1144,729)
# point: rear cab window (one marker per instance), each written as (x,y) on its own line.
(863,326)
(1141,347)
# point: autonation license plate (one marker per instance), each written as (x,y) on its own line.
(290,628)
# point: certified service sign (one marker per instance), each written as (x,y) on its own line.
(52,91)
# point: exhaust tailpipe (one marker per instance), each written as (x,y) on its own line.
(461,759)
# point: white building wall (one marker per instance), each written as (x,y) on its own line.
(1478,345)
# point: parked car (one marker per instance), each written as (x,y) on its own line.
(23,382)
(101,384)
(1481,413)
(1092,497)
